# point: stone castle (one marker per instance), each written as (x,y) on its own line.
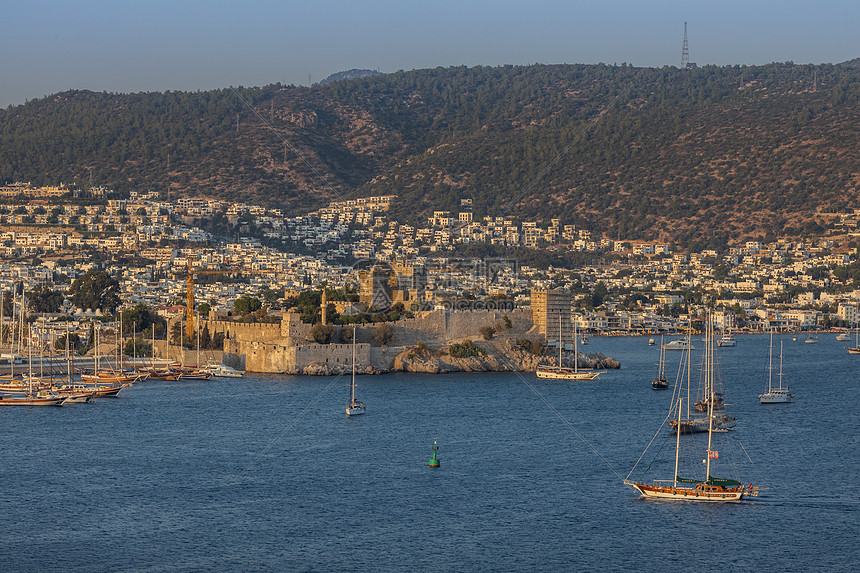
(288,347)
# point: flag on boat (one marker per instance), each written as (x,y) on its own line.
(714,454)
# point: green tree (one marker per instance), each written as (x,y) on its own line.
(95,289)
(203,309)
(246,305)
(137,347)
(74,342)
(139,319)
(44,299)
(598,294)
(322,333)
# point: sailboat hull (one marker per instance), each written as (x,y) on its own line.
(700,493)
(660,384)
(355,410)
(556,373)
(6,400)
(775,397)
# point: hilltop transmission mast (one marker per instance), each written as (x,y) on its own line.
(685,51)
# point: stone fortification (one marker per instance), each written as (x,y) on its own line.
(438,328)
(308,358)
(288,348)
(250,332)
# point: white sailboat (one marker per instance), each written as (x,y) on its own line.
(679,344)
(773,395)
(353,407)
(727,340)
(565,372)
(660,383)
(709,489)
(856,348)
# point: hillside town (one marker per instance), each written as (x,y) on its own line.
(51,236)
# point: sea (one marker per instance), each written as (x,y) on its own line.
(267,473)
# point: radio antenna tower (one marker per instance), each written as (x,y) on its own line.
(685,51)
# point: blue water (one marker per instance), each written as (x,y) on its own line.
(267,473)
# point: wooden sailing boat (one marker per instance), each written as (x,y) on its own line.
(109,382)
(561,372)
(773,395)
(193,372)
(353,407)
(710,489)
(31,398)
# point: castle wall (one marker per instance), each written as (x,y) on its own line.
(257,332)
(261,350)
(292,358)
(440,327)
(185,355)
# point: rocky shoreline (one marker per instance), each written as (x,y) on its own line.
(496,357)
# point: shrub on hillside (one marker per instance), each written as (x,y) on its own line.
(383,334)
(322,333)
(466,349)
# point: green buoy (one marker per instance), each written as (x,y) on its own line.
(434,462)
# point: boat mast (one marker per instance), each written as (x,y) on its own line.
(559,340)
(689,361)
(770,365)
(352,387)
(30,361)
(68,361)
(709,384)
(575,349)
(198,341)
(678,440)
(662,358)
(780,364)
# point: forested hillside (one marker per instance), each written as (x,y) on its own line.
(695,156)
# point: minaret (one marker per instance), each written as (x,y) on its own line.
(323,307)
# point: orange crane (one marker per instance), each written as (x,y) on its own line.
(189,292)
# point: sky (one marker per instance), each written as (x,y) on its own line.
(155,45)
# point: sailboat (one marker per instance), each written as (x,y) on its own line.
(32,398)
(710,489)
(565,372)
(710,400)
(679,344)
(773,395)
(728,340)
(856,348)
(353,407)
(660,383)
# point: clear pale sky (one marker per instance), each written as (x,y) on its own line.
(156,45)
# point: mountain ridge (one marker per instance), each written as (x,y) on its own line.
(695,156)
